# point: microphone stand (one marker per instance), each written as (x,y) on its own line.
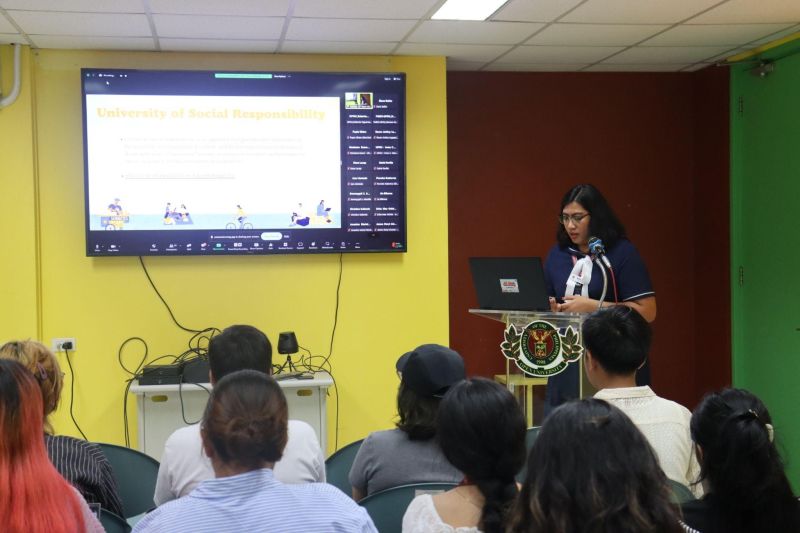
(605,281)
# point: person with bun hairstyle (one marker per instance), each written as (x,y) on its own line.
(81,463)
(183,463)
(410,453)
(481,430)
(575,282)
(747,488)
(244,431)
(34,498)
(591,469)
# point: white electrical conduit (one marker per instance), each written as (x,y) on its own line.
(8,100)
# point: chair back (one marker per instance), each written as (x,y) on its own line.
(387,507)
(530,438)
(113,523)
(136,474)
(337,466)
(680,493)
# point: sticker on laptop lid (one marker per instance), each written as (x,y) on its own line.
(509,285)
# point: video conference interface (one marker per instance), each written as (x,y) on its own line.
(206,163)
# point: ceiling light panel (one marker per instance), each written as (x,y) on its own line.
(467,9)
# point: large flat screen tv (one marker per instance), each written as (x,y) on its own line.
(220,163)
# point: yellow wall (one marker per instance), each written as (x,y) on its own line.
(18,247)
(389,302)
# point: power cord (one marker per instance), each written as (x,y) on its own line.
(66,347)
(169,310)
(307,361)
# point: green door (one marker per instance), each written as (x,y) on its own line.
(765,247)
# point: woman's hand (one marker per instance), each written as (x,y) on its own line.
(581,304)
(578,304)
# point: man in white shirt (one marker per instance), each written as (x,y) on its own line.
(617,342)
(184,464)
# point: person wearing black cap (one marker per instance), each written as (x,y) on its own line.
(410,454)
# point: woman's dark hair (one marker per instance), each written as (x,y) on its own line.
(246,420)
(743,468)
(417,413)
(603,223)
(482,433)
(591,469)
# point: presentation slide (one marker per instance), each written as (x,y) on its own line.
(213,162)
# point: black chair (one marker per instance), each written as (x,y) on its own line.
(136,474)
(113,523)
(337,466)
(530,438)
(387,507)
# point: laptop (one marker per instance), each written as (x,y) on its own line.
(509,283)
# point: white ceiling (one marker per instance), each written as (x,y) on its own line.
(523,35)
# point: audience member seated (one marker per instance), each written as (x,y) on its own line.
(183,463)
(617,343)
(410,453)
(481,430)
(591,469)
(81,463)
(747,487)
(244,432)
(33,495)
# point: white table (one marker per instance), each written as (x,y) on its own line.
(159,408)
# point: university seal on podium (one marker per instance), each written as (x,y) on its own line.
(540,349)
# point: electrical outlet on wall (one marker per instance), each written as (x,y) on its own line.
(58,344)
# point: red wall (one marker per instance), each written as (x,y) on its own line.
(655,144)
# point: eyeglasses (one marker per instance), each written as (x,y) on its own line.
(564,218)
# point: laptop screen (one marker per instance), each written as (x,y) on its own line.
(510,283)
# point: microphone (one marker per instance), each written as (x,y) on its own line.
(597,249)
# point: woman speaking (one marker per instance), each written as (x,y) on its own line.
(575,280)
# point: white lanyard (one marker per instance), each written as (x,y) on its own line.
(580,277)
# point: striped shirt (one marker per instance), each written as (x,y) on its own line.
(86,468)
(255,501)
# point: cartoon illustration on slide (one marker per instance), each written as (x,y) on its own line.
(179,216)
(116,217)
(299,218)
(323,211)
(240,218)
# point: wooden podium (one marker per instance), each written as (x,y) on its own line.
(520,383)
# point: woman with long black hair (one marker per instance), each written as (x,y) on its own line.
(747,488)
(591,469)
(482,433)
